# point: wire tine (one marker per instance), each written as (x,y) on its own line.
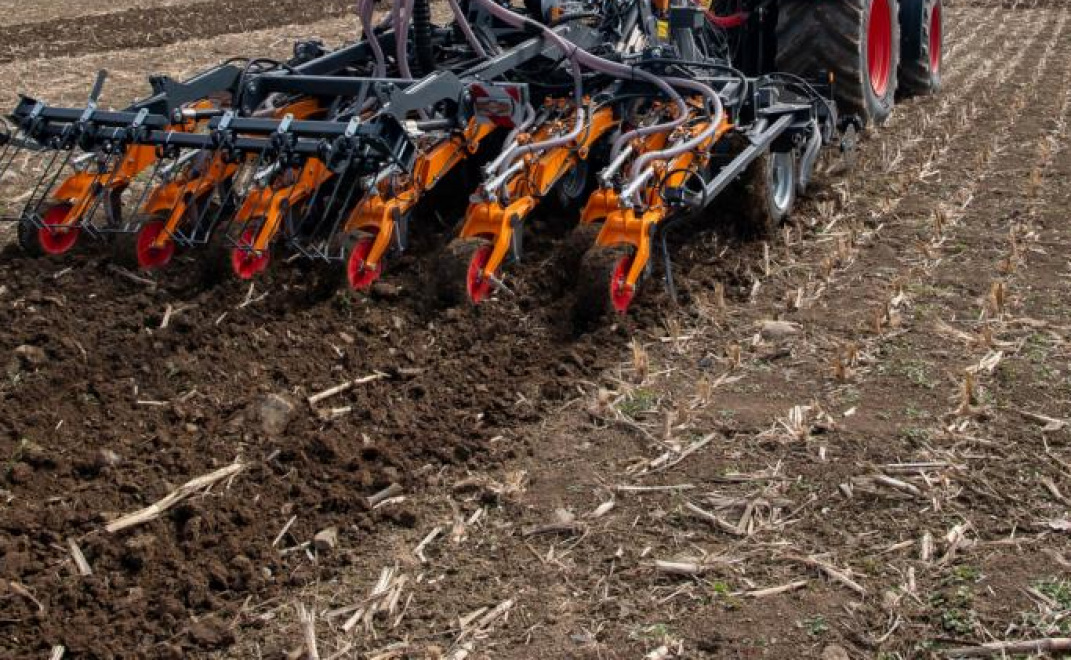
(46,171)
(307,216)
(113,163)
(350,193)
(14,149)
(334,194)
(192,237)
(232,194)
(8,149)
(148,187)
(44,191)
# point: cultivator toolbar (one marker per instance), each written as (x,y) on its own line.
(623,116)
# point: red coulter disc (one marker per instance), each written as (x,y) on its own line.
(359,275)
(244,261)
(54,238)
(479,287)
(879,46)
(936,40)
(150,257)
(621,294)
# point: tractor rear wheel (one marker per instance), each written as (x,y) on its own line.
(922,48)
(855,41)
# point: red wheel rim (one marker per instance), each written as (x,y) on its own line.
(479,287)
(149,256)
(358,273)
(244,261)
(621,294)
(879,46)
(935,39)
(55,238)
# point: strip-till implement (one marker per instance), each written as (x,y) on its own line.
(621,117)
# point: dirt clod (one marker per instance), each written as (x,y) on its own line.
(274,413)
(326,539)
(772,330)
(26,357)
(210,633)
(107,458)
(835,652)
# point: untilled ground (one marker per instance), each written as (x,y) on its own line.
(851,440)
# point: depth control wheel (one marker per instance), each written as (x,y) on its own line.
(136,249)
(765,194)
(358,274)
(601,288)
(460,272)
(246,263)
(51,239)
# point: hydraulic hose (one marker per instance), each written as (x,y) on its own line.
(399,14)
(672,152)
(530,115)
(420,13)
(561,140)
(466,29)
(597,64)
(364,15)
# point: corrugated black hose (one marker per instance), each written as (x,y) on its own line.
(425,54)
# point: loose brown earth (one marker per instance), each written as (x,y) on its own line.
(854,437)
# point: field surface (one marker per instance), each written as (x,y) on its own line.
(853,441)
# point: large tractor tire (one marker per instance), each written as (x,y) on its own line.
(922,46)
(856,41)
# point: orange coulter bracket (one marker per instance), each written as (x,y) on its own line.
(497,223)
(81,189)
(378,213)
(175,198)
(273,203)
(626,226)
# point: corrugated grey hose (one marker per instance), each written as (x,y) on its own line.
(364,15)
(640,172)
(466,29)
(562,140)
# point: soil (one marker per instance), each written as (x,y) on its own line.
(849,436)
(155,26)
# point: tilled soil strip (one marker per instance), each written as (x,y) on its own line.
(157,26)
(20,12)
